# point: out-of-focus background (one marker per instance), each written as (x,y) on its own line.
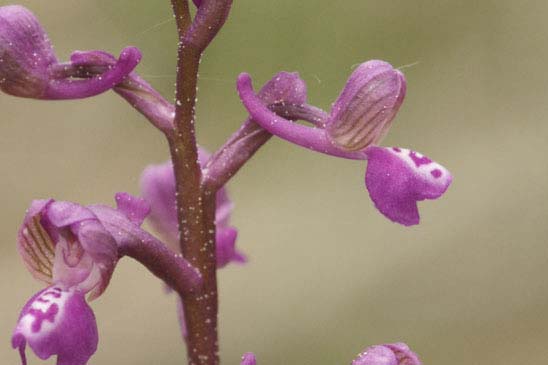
(328,275)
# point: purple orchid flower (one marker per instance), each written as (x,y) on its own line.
(396,178)
(388,354)
(29,68)
(74,249)
(158,188)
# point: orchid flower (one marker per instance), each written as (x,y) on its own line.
(29,67)
(74,250)
(158,188)
(396,178)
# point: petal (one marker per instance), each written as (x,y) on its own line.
(367,105)
(397,178)
(248,359)
(34,244)
(158,188)
(376,355)
(404,354)
(224,208)
(57,322)
(135,208)
(284,87)
(101,247)
(226,247)
(387,354)
(63,213)
(26,53)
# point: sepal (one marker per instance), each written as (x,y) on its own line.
(364,111)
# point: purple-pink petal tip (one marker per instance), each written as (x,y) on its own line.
(248,359)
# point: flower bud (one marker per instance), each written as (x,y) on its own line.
(389,354)
(25,53)
(248,359)
(29,68)
(284,87)
(362,114)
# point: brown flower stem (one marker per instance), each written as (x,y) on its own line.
(195,206)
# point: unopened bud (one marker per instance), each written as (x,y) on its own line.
(362,114)
(389,354)
(25,53)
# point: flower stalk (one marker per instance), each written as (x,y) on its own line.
(195,206)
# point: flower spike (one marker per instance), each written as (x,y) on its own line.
(29,68)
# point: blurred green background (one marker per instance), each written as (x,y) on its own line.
(328,275)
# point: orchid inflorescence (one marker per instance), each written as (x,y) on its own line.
(74,249)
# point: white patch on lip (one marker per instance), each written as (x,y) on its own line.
(43,303)
(424,171)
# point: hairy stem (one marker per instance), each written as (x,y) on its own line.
(195,207)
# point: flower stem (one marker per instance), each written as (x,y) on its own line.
(247,140)
(195,207)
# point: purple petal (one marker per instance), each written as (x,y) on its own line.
(388,354)
(57,322)
(25,53)
(397,178)
(158,189)
(226,247)
(284,87)
(63,213)
(362,114)
(404,354)
(100,245)
(224,208)
(248,359)
(135,208)
(34,244)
